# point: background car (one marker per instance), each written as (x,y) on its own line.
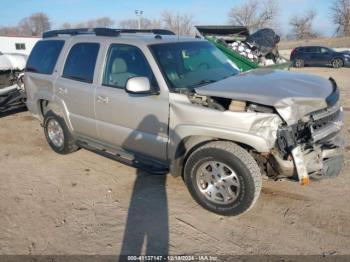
(319,56)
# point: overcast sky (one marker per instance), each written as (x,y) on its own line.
(204,11)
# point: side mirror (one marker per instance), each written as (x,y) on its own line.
(139,85)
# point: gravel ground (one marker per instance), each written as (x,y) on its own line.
(86,204)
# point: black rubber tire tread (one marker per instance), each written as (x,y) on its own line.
(69,145)
(239,158)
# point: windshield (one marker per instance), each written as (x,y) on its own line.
(192,64)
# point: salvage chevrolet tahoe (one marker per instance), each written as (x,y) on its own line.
(164,103)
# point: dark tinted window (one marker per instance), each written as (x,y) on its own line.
(20,46)
(44,56)
(312,49)
(80,63)
(325,50)
(124,62)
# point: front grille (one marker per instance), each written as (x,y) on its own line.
(322,122)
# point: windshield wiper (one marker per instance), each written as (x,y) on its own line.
(202,82)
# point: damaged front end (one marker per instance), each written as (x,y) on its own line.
(12,95)
(302,144)
(313,146)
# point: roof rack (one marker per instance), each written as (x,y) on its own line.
(104,32)
(153,31)
(82,31)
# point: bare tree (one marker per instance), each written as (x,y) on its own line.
(35,24)
(10,30)
(130,23)
(66,25)
(341,16)
(255,14)
(145,23)
(99,22)
(181,24)
(302,25)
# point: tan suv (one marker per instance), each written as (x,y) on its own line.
(165,103)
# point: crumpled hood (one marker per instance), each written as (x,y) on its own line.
(292,94)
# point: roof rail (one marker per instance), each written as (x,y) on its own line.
(153,31)
(82,31)
(104,32)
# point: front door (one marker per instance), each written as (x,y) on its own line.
(325,56)
(135,123)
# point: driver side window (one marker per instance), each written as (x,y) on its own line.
(324,50)
(123,63)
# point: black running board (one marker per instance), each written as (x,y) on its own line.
(136,163)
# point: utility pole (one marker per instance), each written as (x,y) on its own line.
(139,14)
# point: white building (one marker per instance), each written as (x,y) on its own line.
(17,44)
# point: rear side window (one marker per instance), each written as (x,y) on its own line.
(80,63)
(312,49)
(44,56)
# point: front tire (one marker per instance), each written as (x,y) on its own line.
(223,178)
(57,134)
(337,63)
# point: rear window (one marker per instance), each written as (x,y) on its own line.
(80,63)
(44,56)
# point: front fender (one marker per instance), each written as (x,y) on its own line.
(182,132)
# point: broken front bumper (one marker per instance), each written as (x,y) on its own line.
(11,98)
(314,149)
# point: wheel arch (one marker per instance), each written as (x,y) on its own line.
(57,106)
(338,57)
(191,143)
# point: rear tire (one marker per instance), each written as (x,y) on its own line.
(337,63)
(223,178)
(57,134)
(299,63)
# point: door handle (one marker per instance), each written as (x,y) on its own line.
(103,99)
(62,90)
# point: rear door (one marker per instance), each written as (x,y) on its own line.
(40,71)
(135,123)
(311,55)
(76,86)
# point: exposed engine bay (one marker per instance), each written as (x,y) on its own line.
(312,147)
(12,94)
